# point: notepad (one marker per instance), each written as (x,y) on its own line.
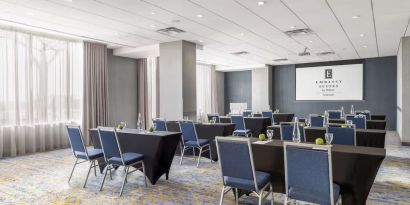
(262,142)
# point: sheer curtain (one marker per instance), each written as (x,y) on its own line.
(40,91)
(206,90)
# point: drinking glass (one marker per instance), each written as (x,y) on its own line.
(270,134)
(154,125)
(349,122)
(213,120)
(328,138)
(185,118)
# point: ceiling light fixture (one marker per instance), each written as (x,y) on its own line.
(199,15)
(361,35)
(261,3)
(364,46)
(153,26)
(30,13)
(152,13)
(355,16)
(201,41)
(241,34)
(292,27)
(310,41)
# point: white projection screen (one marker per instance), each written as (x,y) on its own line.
(330,83)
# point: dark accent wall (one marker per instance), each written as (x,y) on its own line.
(379,90)
(122,90)
(238,88)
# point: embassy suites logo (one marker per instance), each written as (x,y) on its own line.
(328,84)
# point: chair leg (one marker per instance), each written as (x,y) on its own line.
(110,174)
(210,154)
(123,181)
(88,173)
(222,196)
(72,171)
(193,152)
(236,196)
(260,198)
(105,175)
(145,176)
(125,170)
(271,193)
(182,156)
(199,156)
(95,170)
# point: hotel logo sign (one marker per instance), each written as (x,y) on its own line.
(328,74)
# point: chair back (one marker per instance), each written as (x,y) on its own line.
(246,113)
(269,115)
(364,112)
(335,114)
(308,169)
(235,158)
(239,122)
(286,131)
(316,120)
(212,116)
(188,130)
(342,134)
(358,120)
(161,124)
(109,142)
(76,139)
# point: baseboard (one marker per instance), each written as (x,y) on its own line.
(405,143)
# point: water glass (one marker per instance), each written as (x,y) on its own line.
(349,122)
(186,118)
(213,120)
(269,132)
(154,125)
(328,138)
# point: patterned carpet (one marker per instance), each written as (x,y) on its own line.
(42,179)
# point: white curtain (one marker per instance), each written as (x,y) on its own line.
(40,91)
(152,78)
(206,90)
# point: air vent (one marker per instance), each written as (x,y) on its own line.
(240,53)
(324,53)
(170,31)
(304,53)
(299,32)
(280,59)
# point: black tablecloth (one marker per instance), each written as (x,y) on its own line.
(354,168)
(370,124)
(364,137)
(206,131)
(282,117)
(257,125)
(158,149)
(378,117)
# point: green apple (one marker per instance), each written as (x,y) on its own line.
(151,129)
(344,126)
(262,137)
(120,127)
(319,141)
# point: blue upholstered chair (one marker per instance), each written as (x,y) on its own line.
(316,120)
(247,113)
(367,113)
(161,124)
(269,115)
(81,152)
(342,134)
(286,131)
(308,174)
(358,120)
(212,116)
(335,114)
(115,157)
(240,128)
(238,170)
(190,140)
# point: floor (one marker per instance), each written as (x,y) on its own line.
(42,179)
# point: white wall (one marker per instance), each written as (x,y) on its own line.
(260,89)
(403,88)
(399,91)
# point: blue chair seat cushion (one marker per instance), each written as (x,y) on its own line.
(92,154)
(262,178)
(192,143)
(129,158)
(242,132)
(313,197)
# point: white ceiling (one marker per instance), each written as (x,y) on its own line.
(228,26)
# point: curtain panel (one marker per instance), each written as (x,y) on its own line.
(206,90)
(95,103)
(40,91)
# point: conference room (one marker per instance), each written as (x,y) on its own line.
(205,102)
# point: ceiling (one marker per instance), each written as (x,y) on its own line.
(351,29)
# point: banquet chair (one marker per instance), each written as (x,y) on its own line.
(240,128)
(161,124)
(358,120)
(190,140)
(80,152)
(269,115)
(247,113)
(115,157)
(367,113)
(238,169)
(308,174)
(342,134)
(335,114)
(212,116)
(286,131)
(316,120)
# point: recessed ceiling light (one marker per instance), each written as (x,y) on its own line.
(69,0)
(292,27)
(361,35)
(310,41)
(260,3)
(116,33)
(152,13)
(355,16)
(30,13)
(241,34)
(153,26)
(201,41)
(364,46)
(199,15)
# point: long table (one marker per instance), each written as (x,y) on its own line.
(354,168)
(378,117)
(206,131)
(158,149)
(370,124)
(256,124)
(364,137)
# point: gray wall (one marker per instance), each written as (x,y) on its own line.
(220,91)
(379,90)
(238,88)
(122,88)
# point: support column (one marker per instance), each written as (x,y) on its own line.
(403,91)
